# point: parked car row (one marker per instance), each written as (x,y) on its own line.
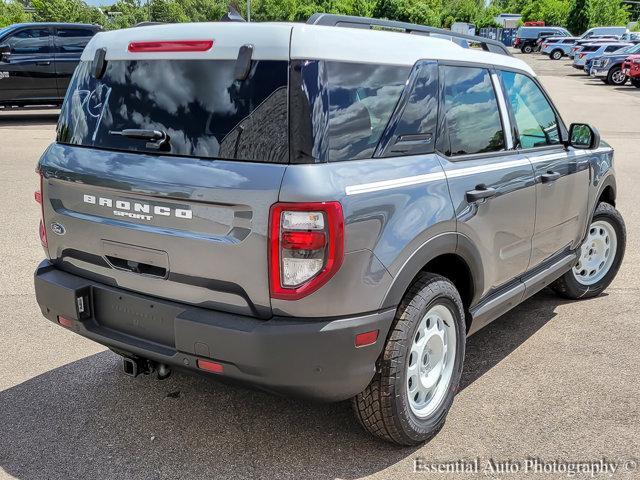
(531,39)
(611,54)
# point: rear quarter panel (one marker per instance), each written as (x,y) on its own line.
(385,225)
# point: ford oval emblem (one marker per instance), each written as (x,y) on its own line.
(58,229)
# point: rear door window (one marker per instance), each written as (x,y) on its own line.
(536,120)
(471,114)
(413,129)
(72,40)
(361,101)
(198,104)
(340,109)
(30,41)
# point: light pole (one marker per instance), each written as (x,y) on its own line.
(248,10)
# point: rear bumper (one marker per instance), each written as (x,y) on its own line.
(314,358)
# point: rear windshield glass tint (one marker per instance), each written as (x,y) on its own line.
(347,107)
(198,103)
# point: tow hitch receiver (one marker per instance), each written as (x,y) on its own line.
(136,366)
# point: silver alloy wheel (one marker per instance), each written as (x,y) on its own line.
(557,55)
(431,361)
(597,253)
(618,77)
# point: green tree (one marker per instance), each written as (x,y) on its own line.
(66,11)
(12,12)
(578,19)
(169,11)
(426,12)
(607,12)
(552,12)
(125,13)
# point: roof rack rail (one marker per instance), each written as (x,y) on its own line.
(331,20)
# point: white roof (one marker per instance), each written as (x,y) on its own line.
(281,41)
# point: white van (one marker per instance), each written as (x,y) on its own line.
(598,31)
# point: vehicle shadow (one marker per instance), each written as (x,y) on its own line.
(87,420)
(15,118)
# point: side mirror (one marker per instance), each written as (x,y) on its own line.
(5,53)
(583,136)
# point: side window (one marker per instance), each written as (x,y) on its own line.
(362,98)
(535,118)
(72,40)
(413,131)
(471,112)
(30,41)
(612,48)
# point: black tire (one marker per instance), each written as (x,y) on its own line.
(556,55)
(569,287)
(613,77)
(383,407)
(635,82)
(527,49)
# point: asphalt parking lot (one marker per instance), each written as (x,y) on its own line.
(552,380)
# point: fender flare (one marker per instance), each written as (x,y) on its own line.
(609,181)
(446,243)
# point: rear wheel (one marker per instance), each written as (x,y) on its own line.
(527,49)
(616,77)
(556,54)
(635,82)
(600,256)
(419,371)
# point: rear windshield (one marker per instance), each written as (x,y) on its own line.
(198,104)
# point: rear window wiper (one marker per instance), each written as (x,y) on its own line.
(156,139)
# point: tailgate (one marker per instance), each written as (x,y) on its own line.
(193,231)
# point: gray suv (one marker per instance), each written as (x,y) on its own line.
(325,219)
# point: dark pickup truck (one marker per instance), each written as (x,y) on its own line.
(38,59)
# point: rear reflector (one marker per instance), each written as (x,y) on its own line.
(366,338)
(303,240)
(65,322)
(171,46)
(42,231)
(209,366)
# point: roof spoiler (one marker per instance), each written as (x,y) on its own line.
(331,20)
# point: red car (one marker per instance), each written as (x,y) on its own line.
(631,67)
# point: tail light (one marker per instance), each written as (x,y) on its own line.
(306,247)
(38,198)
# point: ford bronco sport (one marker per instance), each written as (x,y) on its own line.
(315,210)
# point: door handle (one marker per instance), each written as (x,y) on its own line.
(44,64)
(482,192)
(549,177)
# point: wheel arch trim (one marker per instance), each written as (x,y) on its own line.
(444,244)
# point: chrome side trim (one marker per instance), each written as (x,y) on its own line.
(504,113)
(389,184)
(431,177)
(462,172)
